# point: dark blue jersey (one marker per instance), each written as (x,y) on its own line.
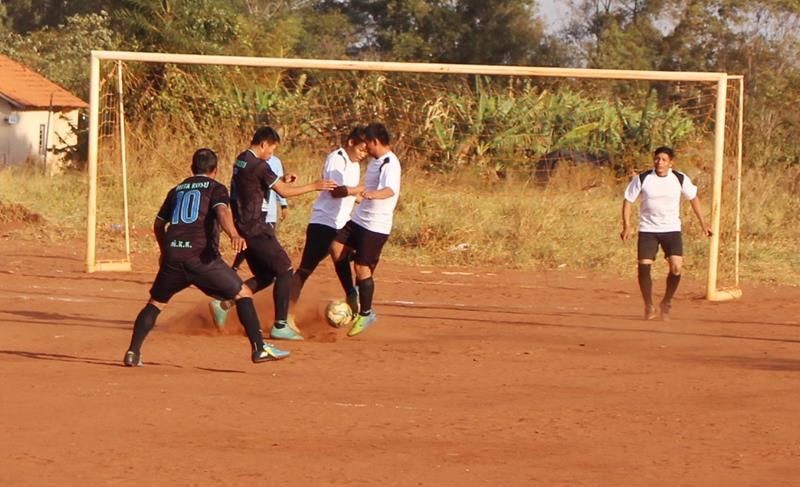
(189,210)
(250,184)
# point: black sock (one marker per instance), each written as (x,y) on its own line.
(345,274)
(366,288)
(249,319)
(145,322)
(646,283)
(280,295)
(672,285)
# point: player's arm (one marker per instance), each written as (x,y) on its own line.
(698,210)
(378,194)
(344,191)
(287,191)
(160,232)
(225,219)
(627,209)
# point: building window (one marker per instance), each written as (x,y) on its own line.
(42,140)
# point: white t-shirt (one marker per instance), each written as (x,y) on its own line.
(376,215)
(330,211)
(661,199)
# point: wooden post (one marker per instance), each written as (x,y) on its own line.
(123,160)
(94,107)
(716,198)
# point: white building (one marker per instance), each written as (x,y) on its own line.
(37,117)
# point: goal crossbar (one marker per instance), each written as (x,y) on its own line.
(712,293)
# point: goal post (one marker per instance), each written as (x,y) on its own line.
(713,292)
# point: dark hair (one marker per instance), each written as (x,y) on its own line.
(267,134)
(204,161)
(377,131)
(358,135)
(665,150)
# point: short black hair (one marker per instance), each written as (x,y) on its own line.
(377,131)
(267,134)
(358,135)
(665,150)
(204,161)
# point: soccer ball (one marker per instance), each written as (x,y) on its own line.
(338,313)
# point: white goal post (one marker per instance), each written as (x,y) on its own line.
(721,79)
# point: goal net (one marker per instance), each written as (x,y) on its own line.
(517,132)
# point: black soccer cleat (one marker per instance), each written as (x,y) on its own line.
(133,359)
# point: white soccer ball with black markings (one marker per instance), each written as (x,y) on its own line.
(338,313)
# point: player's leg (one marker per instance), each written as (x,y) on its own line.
(341,250)
(169,281)
(219,308)
(672,243)
(215,278)
(646,250)
(237,261)
(368,252)
(317,246)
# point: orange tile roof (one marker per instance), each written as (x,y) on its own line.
(26,89)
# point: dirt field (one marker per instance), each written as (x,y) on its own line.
(471,377)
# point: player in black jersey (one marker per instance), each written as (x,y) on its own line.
(252,180)
(186,231)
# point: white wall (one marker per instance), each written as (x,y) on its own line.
(20,141)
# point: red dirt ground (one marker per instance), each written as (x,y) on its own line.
(471,377)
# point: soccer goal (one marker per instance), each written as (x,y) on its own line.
(506,120)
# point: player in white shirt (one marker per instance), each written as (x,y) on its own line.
(330,213)
(371,223)
(661,189)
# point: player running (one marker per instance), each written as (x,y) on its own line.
(369,228)
(252,179)
(660,224)
(186,231)
(329,214)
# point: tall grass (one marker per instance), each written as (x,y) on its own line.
(467,219)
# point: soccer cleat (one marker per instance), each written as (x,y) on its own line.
(285,333)
(352,300)
(649,312)
(269,353)
(217,313)
(133,359)
(665,309)
(361,323)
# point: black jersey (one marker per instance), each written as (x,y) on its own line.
(251,183)
(189,209)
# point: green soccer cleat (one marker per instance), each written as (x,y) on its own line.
(361,323)
(352,300)
(269,353)
(218,314)
(285,333)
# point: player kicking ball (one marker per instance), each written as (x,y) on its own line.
(185,229)
(660,224)
(330,213)
(371,223)
(252,180)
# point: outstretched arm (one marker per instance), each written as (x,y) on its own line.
(343,191)
(698,210)
(625,234)
(380,194)
(225,219)
(287,191)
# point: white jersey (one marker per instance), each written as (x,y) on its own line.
(330,211)
(376,215)
(661,199)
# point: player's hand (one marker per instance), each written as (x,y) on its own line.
(625,234)
(289,178)
(284,212)
(237,243)
(325,185)
(707,232)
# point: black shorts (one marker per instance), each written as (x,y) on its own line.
(266,258)
(318,245)
(670,242)
(214,278)
(366,243)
